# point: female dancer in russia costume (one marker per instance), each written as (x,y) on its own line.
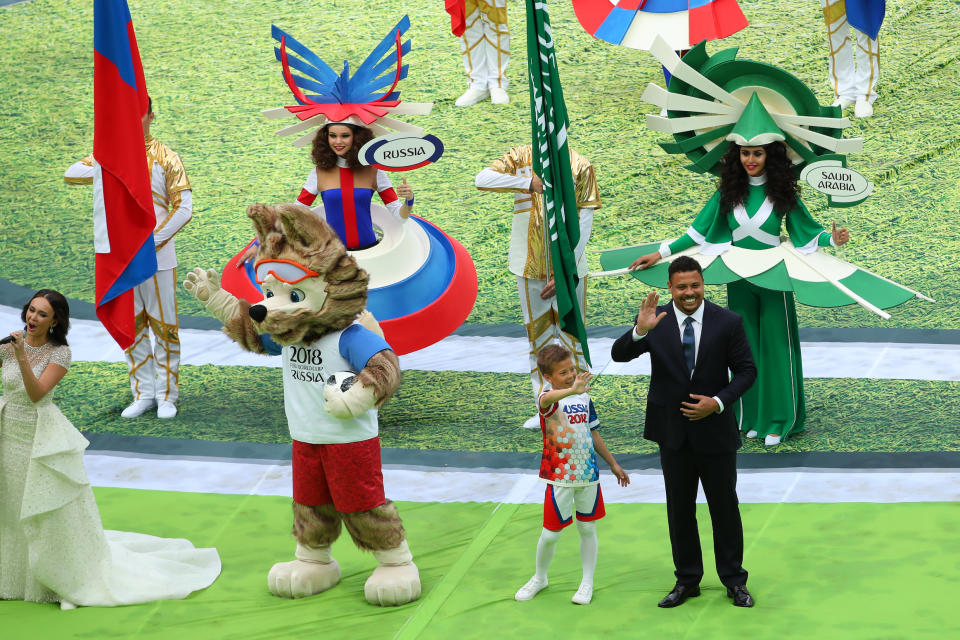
(755,126)
(422,282)
(346,186)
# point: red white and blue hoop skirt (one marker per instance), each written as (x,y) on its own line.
(423,283)
(682,23)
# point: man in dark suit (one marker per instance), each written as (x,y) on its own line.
(692,344)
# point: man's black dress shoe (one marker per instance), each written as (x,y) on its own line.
(679,594)
(741,597)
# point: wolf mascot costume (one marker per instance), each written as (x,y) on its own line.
(313,295)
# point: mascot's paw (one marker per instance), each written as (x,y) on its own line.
(298,579)
(202,284)
(392,585)
(348,404)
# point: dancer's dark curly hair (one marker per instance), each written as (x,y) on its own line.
(61,314)
(324,156)
(782,186)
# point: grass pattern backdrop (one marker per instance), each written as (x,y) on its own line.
(210,69)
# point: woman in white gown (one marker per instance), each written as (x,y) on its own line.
(52,544)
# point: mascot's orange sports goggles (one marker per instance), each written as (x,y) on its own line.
(286,271)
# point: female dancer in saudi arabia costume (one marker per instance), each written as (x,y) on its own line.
(52,544)
(422,282)
(761,126)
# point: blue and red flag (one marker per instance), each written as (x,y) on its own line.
(124,218)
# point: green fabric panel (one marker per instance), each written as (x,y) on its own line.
(876,290)
(689,144)
(775,278)
(655,276)
(719,273)
(802,228)
(712,157)
(622,258)
(820,294)
(747,73)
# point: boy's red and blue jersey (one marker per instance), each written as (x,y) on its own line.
(569,458)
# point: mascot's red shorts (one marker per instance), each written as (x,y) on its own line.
(348,475)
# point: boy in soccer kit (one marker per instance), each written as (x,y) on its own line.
(571,443)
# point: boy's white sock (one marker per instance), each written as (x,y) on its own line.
(546,545)
(589,547)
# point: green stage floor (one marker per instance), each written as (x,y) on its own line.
(831,571)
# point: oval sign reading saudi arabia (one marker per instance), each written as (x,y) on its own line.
(835,180)
(401,151)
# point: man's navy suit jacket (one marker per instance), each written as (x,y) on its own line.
(723,346)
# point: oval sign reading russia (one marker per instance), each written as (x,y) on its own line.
(401,151)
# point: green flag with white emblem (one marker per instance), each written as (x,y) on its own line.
(551,161)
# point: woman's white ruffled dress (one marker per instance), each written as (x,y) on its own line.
(53,547)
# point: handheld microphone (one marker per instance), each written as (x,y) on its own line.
(6,340)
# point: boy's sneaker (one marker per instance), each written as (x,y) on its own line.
(583,595)
(528,591)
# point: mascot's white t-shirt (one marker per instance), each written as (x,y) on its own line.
(306,367)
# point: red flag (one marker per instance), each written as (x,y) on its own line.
(124,217)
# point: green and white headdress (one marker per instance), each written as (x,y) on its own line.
(756,127)
(715,99)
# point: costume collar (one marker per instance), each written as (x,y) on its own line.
(342,163)
(757,180)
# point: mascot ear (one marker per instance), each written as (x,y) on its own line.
(264,218)
(303,229)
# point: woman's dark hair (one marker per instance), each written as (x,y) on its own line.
(324,156)
(61,313)
(782,187)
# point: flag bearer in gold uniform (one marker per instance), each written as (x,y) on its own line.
(528,259)
(154,366)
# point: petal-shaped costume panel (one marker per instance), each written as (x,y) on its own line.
(817,279)
(682,23)
(423,283)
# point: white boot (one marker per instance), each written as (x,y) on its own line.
(312,572)
(863,109)
(138,408)
(471,97)
(396,581)
(843,102)
(499,96)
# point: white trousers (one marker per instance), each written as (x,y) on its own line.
(154,366)
(849,80)
(485,44)
(542,322)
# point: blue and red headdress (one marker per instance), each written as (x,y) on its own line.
(357,99)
